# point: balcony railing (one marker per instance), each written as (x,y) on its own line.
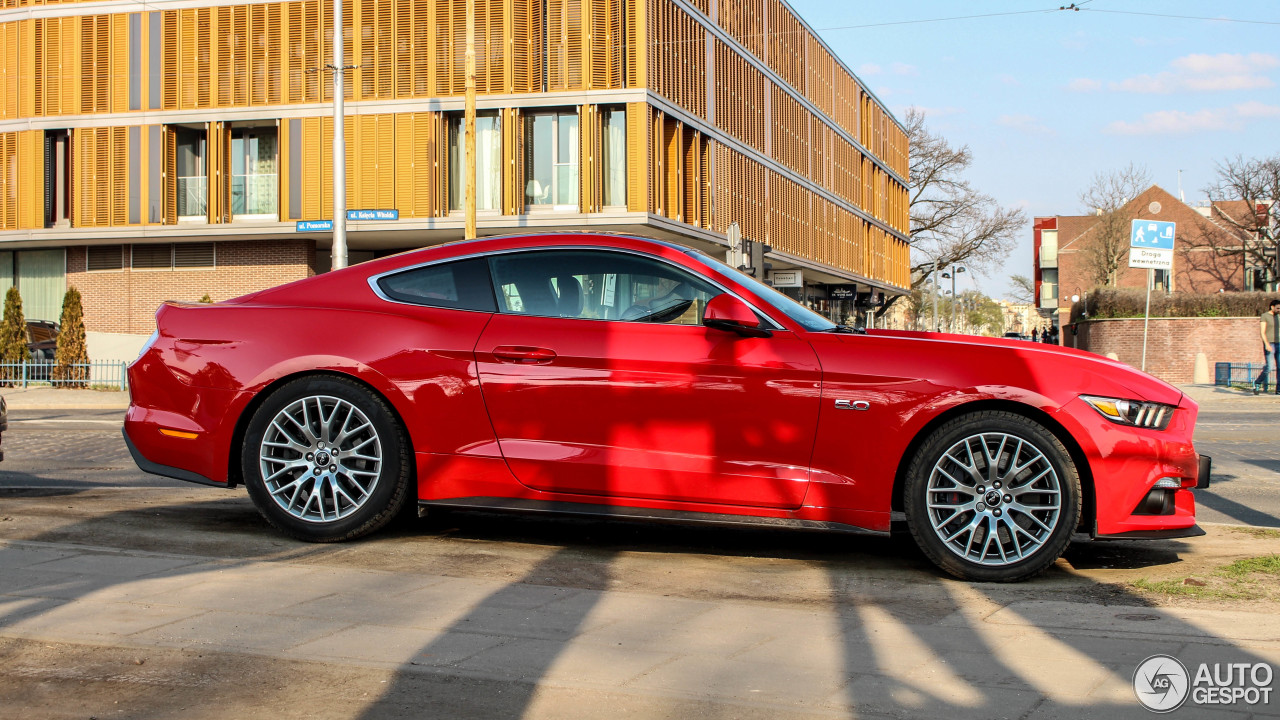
(255,194)
(193,195)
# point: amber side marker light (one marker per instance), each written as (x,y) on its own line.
(179,434)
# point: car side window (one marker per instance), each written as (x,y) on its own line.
(599,285)
(462,285)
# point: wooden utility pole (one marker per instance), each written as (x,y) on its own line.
(469,171)
(339,251)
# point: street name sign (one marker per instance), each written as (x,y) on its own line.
(373,214)
(314,225)
(1151,245)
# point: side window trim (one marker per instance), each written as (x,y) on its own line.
(493,282)
(375,284)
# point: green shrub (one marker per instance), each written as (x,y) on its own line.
(13,334)
(72,356)
(1105,303)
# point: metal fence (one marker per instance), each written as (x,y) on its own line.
(1241,374)
(105,374)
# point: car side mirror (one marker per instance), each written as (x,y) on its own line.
(726,312)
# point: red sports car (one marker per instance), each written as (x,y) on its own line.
(608,375)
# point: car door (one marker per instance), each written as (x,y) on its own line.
(601,380)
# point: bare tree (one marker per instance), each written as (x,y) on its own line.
(1108,196)
(1256,182)
(1021,289)
(951,222)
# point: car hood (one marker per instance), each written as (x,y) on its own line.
(1068,364)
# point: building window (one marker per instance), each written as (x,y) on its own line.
(193,175)
(254,183)
(105,257)
(1049,288)
(170,256)
(551,141)
(488,161)
(614,146)
(57,178)
(40,275)
(1161,281)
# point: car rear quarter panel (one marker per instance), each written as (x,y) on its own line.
(218,358)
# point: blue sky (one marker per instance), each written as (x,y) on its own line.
(1045,100)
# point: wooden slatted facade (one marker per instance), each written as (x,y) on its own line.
(748,119)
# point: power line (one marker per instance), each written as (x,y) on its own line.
(1183,17)
(944,19)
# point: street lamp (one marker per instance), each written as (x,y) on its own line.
(952,273)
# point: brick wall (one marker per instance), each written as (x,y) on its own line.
(1172,343)
(125,301)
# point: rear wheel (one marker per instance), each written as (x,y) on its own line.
(326,460)
(992,496)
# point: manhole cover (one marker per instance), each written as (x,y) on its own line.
(1138,617)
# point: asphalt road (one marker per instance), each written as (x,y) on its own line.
(83,449)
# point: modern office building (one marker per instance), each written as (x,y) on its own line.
(168,150)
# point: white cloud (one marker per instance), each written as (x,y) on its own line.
(1007,79)
(1024,123)
(903,69)
(1084,85)
(1226,63)
(869,69)
(1204,73)
(1179,122)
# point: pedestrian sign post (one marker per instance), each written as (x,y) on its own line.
(1150,247)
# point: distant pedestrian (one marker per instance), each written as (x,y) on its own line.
(1051,335)
(1035,335)
(1270,328)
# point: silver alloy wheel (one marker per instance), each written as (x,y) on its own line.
(320,458)
(994,499)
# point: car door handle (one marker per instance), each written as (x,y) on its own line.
(524,354)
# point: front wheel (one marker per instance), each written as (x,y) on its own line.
(992,496)
(325,460)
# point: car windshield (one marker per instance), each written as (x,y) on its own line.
(807,318)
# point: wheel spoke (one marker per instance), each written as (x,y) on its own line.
(295,469)
(978,538)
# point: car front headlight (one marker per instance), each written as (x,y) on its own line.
(1135,413)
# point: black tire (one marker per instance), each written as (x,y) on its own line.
(979,430)
(391,474)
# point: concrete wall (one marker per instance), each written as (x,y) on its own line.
(104,347)
(1172,343)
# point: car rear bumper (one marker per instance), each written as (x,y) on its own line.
(165,470)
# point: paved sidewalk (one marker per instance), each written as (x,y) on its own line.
(48,398)
(1025,659)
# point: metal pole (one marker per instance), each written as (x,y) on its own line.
(951,326)
(470,121)
(339,251)
(1146,318)
(935,297)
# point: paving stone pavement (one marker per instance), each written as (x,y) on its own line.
(1029,659)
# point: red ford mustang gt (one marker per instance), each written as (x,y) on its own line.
(626,377)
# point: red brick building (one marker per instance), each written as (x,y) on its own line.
(1208,252)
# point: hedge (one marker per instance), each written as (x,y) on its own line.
(1104,303)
